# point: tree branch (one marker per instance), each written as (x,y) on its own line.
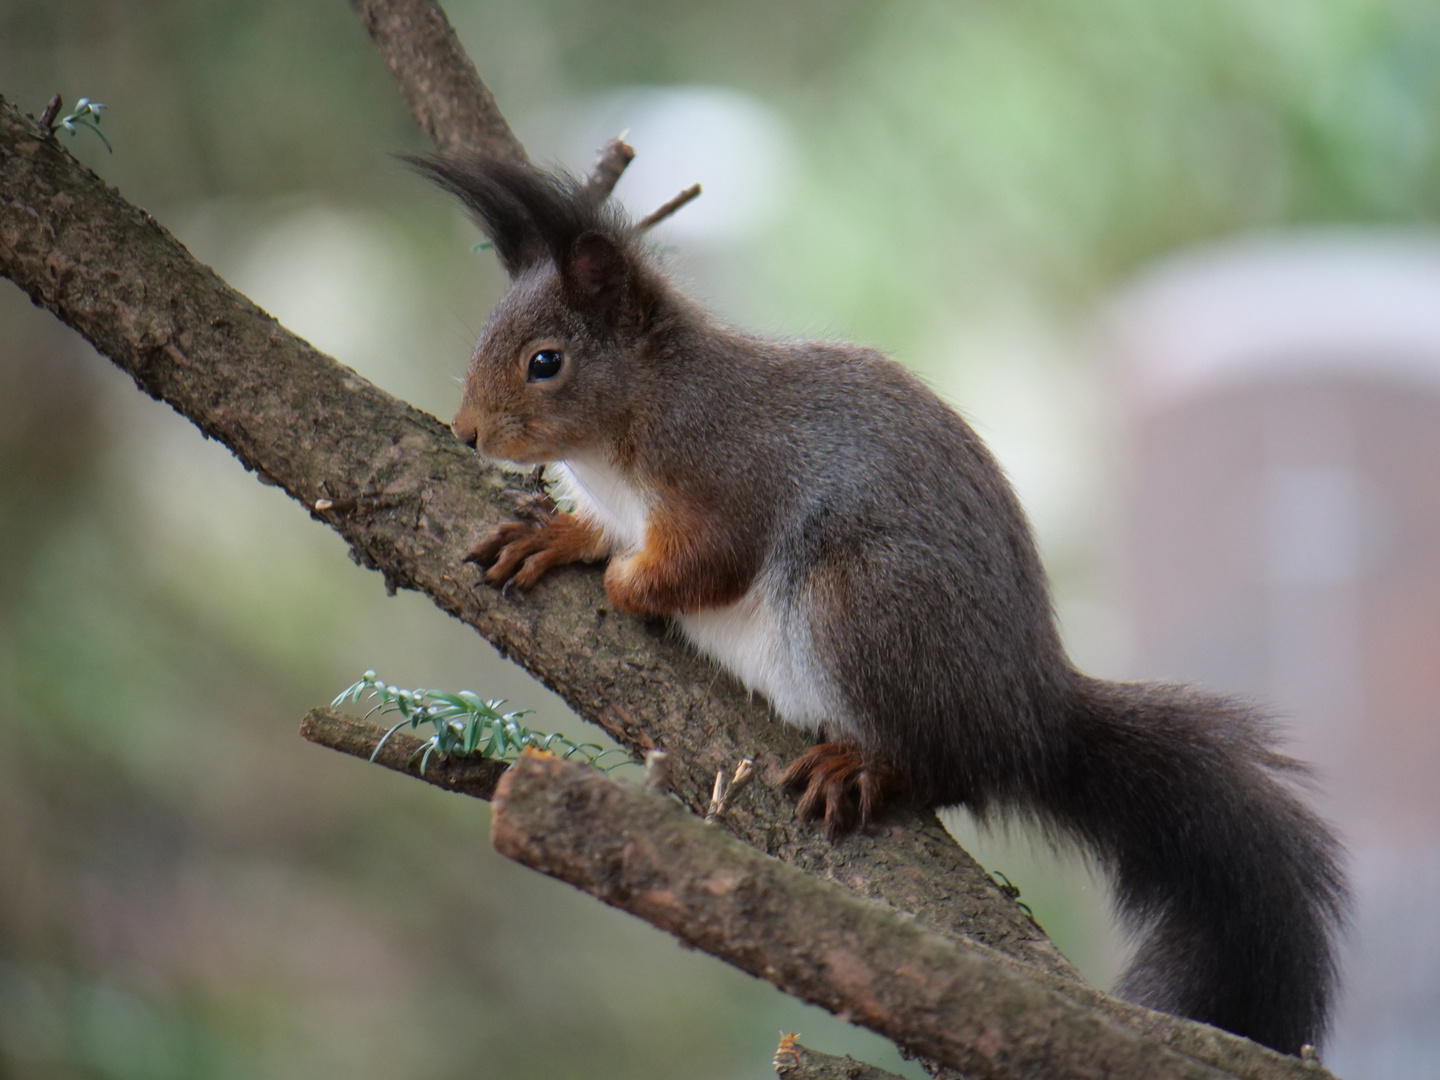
(614,156)
(862,961)
(664,210)
(469,776)
(438,81)
(47,118)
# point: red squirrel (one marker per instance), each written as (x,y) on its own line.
(829,531)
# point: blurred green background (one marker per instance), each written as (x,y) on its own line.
(187,889)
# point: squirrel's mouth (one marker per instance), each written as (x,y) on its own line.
(514,440)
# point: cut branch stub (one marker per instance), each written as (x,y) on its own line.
(47,118)
(610,163)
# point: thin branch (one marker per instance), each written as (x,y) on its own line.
(723,795)
(610,163)
(660,213)
(472,776)
(47,118)
(862,961)
(438,81)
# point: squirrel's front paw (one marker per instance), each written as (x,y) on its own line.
(520,552)
(839,779)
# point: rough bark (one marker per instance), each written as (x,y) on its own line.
(469,776)
(612,160)
(798,1062)
(862,961)
(436,77)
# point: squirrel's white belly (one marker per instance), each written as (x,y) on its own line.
(768,648)
(603,494)
(759,641)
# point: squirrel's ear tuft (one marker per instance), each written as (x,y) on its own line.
(528,214)
(489,188)
(597,273)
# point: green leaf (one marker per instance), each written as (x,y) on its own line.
(464,724)
(347,692)
(451,699)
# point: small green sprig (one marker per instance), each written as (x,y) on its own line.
(86,115)
(464,724)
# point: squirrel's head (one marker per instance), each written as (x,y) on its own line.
(555,368)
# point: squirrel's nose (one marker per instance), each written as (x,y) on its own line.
(466,432)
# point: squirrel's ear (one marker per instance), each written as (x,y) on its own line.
(597,273)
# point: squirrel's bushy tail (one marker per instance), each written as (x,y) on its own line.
(1234,886)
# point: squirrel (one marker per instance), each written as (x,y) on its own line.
(822,525)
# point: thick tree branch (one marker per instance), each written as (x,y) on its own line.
(863,961)
(438,81)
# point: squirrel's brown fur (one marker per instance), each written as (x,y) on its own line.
(821,524)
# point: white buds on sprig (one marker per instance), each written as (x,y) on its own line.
(465,725)
(86,115)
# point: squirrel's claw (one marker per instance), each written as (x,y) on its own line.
(488,550)
(509,551)
(840,781)
(518,553)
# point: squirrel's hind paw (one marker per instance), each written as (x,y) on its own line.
(842,782)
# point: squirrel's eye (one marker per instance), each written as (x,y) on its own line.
(545,364)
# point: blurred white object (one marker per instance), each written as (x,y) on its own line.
(1281,538)
(1336,300)
(733,145)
